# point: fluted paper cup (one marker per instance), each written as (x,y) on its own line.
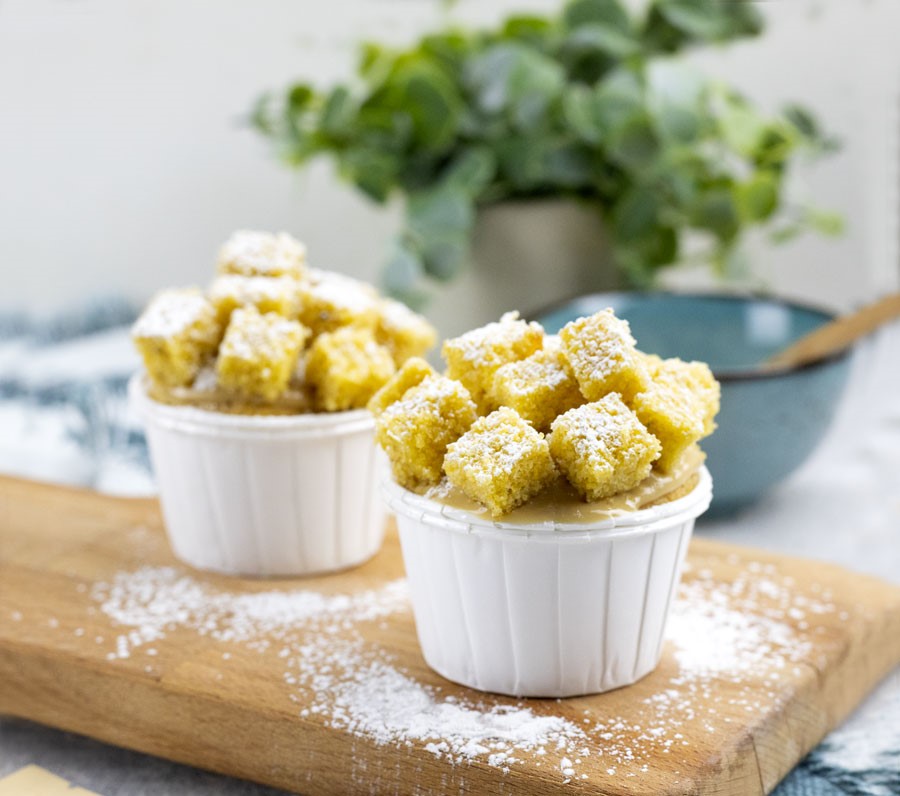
(550,610)
(264,495)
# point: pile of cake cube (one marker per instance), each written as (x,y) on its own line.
(269,326)
(517,409)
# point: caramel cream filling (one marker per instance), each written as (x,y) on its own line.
(560,502)
(291,402)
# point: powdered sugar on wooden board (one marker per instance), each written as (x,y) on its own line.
(155,600)
(752,630)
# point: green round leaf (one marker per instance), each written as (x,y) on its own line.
(635,145)
(372,171)
(339,114)
(444,259)
(578,114)
(509,77)
(568,164)
(696,18)
(594,39)
(757,198)
(742,127)
(434,107)
(635,214)
(618,101)
(533,30)
(609,13)
(716,211)
(300,96)
(472,170)
(403,270)
(439,213)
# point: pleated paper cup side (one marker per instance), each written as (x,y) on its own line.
(543,611)
(265,495)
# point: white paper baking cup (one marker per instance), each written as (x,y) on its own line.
(265,495)
(551,610)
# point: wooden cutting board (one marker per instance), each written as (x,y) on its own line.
(326,692)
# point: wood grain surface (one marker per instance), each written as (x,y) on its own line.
(229,707)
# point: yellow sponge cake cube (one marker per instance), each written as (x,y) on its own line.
(328,301)
(413,372)
(276,294)
(258,354)
(538,387)
(678,407)
(416,430)
(403,332)
(474,357)
(601,354)
(177,332)
(251,253)
(602,448)
(500,462)
(346,367)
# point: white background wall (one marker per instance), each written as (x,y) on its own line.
(124,160)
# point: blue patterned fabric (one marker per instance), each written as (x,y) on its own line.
(64,418)
(63,413)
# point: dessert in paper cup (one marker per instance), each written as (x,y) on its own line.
(545,490)
(253,398)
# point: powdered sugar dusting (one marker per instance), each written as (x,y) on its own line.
(265,337)
(542,367)
(501,444)
(731,645)
(341,291)
(397,317)
(492,344)
(715,633)
(599,345)
(155,600)
(360,690)
(351,684)
(171,312)
(252,252)
(428,397)
(251,289)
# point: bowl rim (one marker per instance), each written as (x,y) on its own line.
(756,373)
(641,522)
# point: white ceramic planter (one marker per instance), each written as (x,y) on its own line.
(265,495)
(543,611)
(526,254)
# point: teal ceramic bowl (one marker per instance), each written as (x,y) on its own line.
(769,423)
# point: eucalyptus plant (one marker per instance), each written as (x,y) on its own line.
(591,103)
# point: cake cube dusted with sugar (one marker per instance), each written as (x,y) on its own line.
(177,332)
(601,354)
(258,354)
(403,332)
(328,301)
(346,367)
(500,462)
(475,356)
(602,448)
(253,253)
(276,294)
(416,430)
(412,373)
(538,387)
(678,407)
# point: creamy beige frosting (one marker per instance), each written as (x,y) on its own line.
(560,502)
(291,402)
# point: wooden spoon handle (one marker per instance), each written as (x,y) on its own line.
(837,335)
